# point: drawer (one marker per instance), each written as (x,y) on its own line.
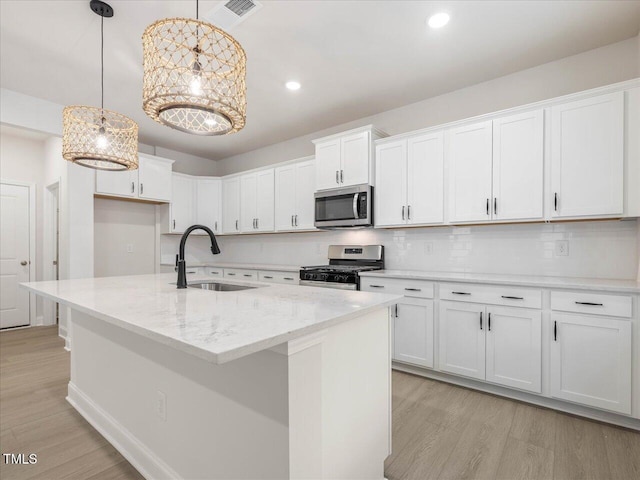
(240,274)
(498,295)
(398,286)
(214,272)
(594,303)
(291,278)
(194,270)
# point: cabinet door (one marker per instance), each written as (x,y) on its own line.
(391,184)
(208,196)
(591,361)
(305,202)
(514,347)
(121,184)
(518,146)
(265,200)
(231,205)
(248,199)
(355,156)
(154,177)
(182,203)
(285,197)
(587,156)
(328,164)
(461,338)
(413,332)
(469,161)
(425,179)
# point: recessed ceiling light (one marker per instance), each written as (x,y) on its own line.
(438,20)
(292,85)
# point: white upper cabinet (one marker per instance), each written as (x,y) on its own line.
(587,157)
(231,205)
(154,178)
(294,201)
(345,159)
(257,201)
(183,203)
(518,166)
(151,181)
(208,203)
(469,162)
(409,181)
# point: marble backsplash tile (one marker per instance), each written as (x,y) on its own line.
(602,249)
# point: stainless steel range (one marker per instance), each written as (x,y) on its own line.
(345,264)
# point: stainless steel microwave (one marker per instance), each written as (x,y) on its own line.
(348,207)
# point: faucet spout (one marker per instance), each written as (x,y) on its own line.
(182,269)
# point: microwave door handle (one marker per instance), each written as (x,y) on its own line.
(356,215)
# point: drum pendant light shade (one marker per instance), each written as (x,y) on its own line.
(194,77)
(94,137)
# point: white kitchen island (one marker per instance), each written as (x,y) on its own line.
(274,382)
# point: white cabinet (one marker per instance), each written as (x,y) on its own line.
(587,154)
(257,201)
(151,181)
(294,201)
(514,347)
(231,205)
(410,181)
(345,159)
(183,203)
(591,361)
(461,339)
(413,332)
(208,203)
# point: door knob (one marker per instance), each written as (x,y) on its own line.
(23,263)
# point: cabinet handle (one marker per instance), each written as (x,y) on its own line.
(489,321)
(247,275)
(495,206)
(267,276)
(396,314)
(141,188)
(591,304)
(231,274)
(403,212)
(257,223)
(487,206)
(133,187)
(296,221)
(292,220)
(461,293)
(337,177)
(376,286)
(215,225)
(555,331)
(480,320)
(288,278)
(174,224)
(214,273)
(408,212)
(341,176)
(555,201)
(413,289)
(236,224)
(509,297)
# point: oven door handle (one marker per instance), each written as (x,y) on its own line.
(356,214)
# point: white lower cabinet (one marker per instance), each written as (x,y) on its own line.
(461,339)
(290,278)
(591,361)
(413,332)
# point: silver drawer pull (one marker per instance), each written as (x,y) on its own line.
(413,289)
(509,297)
(288,278)
(461,293)
(591,304)
(376,286)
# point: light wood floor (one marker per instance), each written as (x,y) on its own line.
(440,431)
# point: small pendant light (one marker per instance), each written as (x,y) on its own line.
(98,138)
(194,77)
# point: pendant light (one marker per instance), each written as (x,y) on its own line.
(194,77)
(98,138)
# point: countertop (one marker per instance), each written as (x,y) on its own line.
(215,326)
(247,266)
(594,284)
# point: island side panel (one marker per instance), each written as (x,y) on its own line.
(221,421)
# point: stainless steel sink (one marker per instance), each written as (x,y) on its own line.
(219,287)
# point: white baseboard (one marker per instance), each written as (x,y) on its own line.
(143,459)
(567,407)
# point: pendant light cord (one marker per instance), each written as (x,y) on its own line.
(102,65)
(197,10)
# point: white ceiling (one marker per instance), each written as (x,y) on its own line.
(353,58)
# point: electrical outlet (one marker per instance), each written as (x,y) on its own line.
(562,248)
(428,248)
(161,406)
(129,247)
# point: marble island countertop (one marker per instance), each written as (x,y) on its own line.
(215,326)
(594,284)
(248,266)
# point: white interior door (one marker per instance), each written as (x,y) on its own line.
(391,184)
(14,255)
(425,179)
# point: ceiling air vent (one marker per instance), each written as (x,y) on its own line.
(227,15)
